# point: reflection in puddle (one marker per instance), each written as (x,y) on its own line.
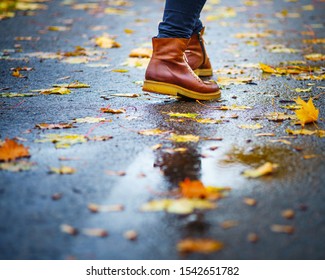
(257,155)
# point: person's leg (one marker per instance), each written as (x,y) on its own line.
(168,71)
(181,18)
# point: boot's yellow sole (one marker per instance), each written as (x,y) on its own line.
(203,72)
(170,89)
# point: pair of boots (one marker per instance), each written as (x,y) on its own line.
(175,66)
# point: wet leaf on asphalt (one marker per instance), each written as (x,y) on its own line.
(229,224)
(11,150)
(75,84)
(288,214)
(95,232)
(182,115)
(154,131)
(89,120)
(130,235)
(265,169)
(184,138)
(17,166)
(106,42)
(62,141)
(112,111)
(250,201)
(177,206)
(54,126)
(68,229)
(141,52)
(307,113)
(63,170)
(56,90)
(93,207)
(199,245)
(282,229)
(251,126)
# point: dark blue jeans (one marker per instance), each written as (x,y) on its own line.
(181,18)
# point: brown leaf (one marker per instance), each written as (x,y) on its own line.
(112,111)
(97,232)
(198,245)
(282,229)
(252,237)
(288,214)
(130,235)
(68,229)
(229,224)
(53,126)
(250,201)
(11,150)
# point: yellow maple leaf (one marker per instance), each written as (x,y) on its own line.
(307,113)
(11,150)
(266,168)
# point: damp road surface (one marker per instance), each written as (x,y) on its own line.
(61,41)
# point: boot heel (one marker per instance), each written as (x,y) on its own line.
(158,87)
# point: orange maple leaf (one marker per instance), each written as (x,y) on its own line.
(11,150)
(308,113)
(193,189)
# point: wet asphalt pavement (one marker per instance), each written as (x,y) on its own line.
(30,217)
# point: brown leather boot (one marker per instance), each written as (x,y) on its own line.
(169,73)
(197,56)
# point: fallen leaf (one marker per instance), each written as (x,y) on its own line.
(62,170)
(100,138)
(89,120)
(307,113)
(234,107)
(155,131)
(183,115)
(251,126)
(266,168)
(68,229)
(302,131)
(15,94)
(96,232)
(130,235)
(303,89)
(281,141)
(112,111)
(75,84)
(63,140)
(54,126)
(315,56)
(250,201)
(310,156)
(181,206)
(184,138)
(252,237)
(288,214)
(225,81)
(229,224)
(58,28)
(17,166)
(279,116)
(11,150)
(56,90)
(106,42)
(282,229)
(265,134)
(196,189)
(105,208)
(141,52)
(115,173)
(199,245)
